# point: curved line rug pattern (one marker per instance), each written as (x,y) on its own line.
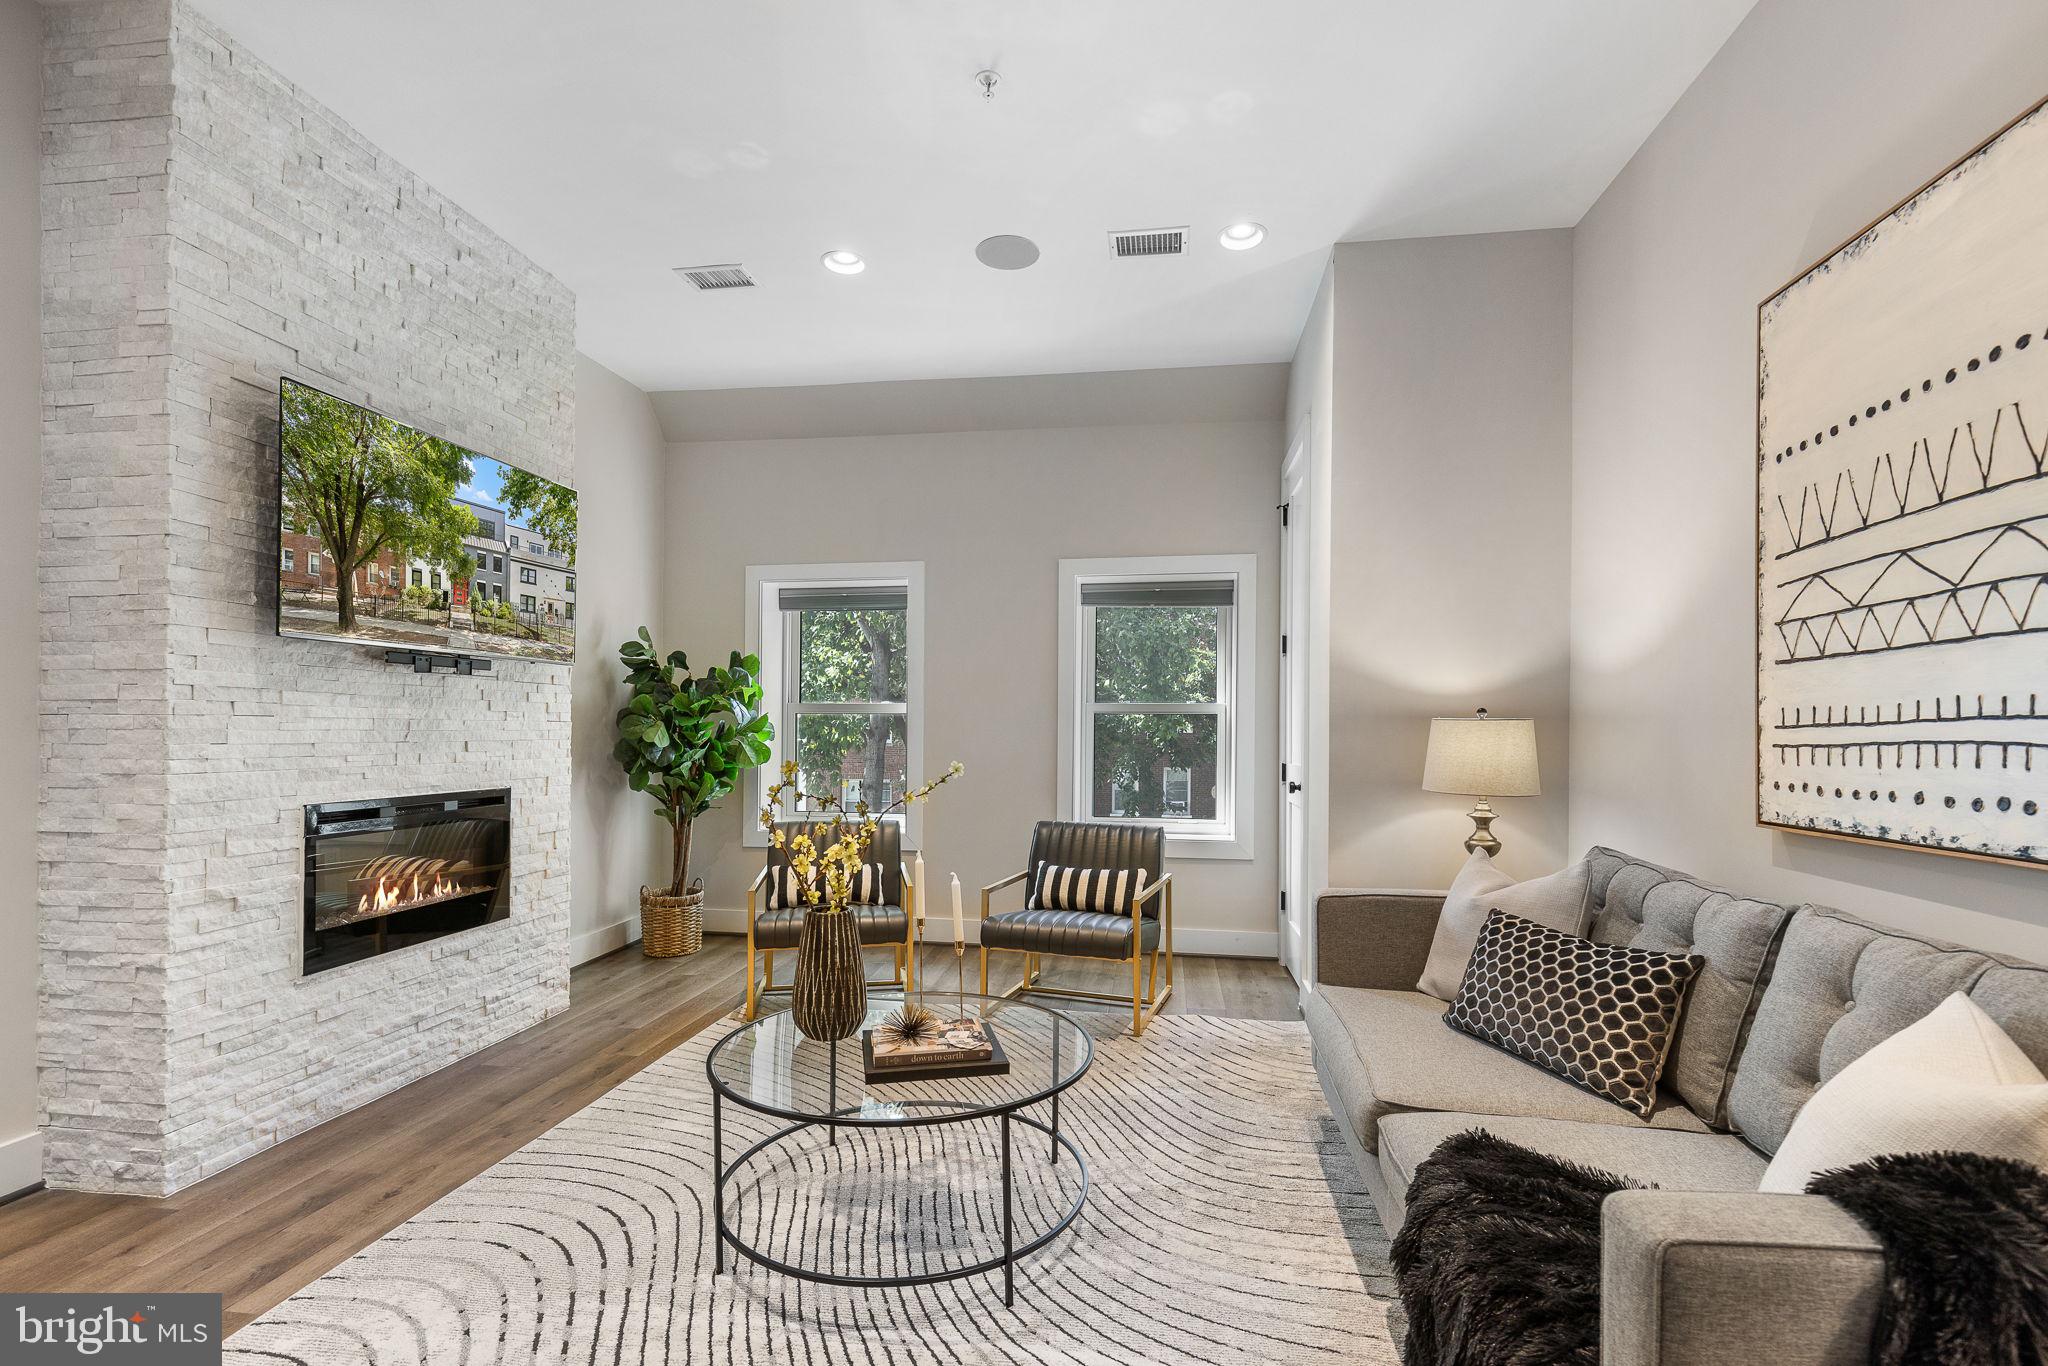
(1225,1225)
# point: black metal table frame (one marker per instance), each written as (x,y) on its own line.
(837,1118)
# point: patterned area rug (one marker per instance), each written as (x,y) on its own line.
(1224,1224)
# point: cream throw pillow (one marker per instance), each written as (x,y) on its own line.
(1556,902)
(1953,1082)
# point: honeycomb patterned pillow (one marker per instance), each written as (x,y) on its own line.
(1598,1015)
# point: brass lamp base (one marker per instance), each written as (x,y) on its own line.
(1482,836)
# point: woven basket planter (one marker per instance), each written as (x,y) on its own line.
(671,926)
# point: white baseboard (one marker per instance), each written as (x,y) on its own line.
(606,938)
(725,919)
(1228,943)
(21,1162)
(1202,943)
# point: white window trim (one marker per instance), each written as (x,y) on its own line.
(1240,717)
(765,583)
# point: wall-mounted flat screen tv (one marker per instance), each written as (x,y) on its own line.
(391,537)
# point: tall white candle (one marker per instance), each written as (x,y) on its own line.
(917,883)
(959,925)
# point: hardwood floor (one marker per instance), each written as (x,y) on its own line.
(263,1229)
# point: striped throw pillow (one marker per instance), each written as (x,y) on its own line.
(784,888)
(1110,891)
(866,887)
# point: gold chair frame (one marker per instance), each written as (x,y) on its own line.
(762,983)
(1148,994)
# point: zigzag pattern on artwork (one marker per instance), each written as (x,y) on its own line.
(1988,582)
(1886,495)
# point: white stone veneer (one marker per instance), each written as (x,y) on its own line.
(207,228)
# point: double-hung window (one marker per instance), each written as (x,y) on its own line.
(1156,714)
(841,672)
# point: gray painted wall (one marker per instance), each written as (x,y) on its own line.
(1096,398)
(990,513)
(21,102)
(620,465)
(1450,510)
(1816,117)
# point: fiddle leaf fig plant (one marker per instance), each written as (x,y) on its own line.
(687,740)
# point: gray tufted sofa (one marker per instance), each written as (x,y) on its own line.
(1703,1271)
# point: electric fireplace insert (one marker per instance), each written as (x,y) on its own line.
(394,871)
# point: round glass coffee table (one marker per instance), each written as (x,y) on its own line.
(770,1068)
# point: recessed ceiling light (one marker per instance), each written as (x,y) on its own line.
(1242,236)
(843,262)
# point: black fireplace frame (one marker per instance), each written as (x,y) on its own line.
(325,820)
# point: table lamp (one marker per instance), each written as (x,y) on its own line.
(1479,756)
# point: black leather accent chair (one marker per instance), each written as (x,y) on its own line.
(1040,933)
(770,931)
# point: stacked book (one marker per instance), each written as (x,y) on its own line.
(962,1040)
(955,1048)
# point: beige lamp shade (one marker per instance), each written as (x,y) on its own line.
(1479,756)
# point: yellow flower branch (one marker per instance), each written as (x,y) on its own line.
(851,835)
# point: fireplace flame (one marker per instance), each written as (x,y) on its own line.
(398,894)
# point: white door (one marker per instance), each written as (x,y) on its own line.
(1295,893)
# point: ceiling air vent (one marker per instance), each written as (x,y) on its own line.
(1149,242)
(717,277)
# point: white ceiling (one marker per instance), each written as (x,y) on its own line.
(613,140)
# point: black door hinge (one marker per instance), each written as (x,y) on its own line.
(1283,900)
(1283,643)
(1283,512)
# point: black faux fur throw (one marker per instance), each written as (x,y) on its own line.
(1966,1256)
(1499,1260)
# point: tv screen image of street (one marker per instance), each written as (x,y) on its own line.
(389,536)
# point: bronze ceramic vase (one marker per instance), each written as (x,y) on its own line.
(830,996)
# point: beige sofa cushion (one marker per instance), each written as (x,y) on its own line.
(1646,906)
(1842,986)
(1663,1158)
(1383,1052)
(1557,902)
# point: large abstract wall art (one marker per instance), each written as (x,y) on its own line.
(1902,521)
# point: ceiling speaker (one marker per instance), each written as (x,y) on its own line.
(1006,251)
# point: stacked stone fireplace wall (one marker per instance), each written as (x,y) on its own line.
(208,228)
